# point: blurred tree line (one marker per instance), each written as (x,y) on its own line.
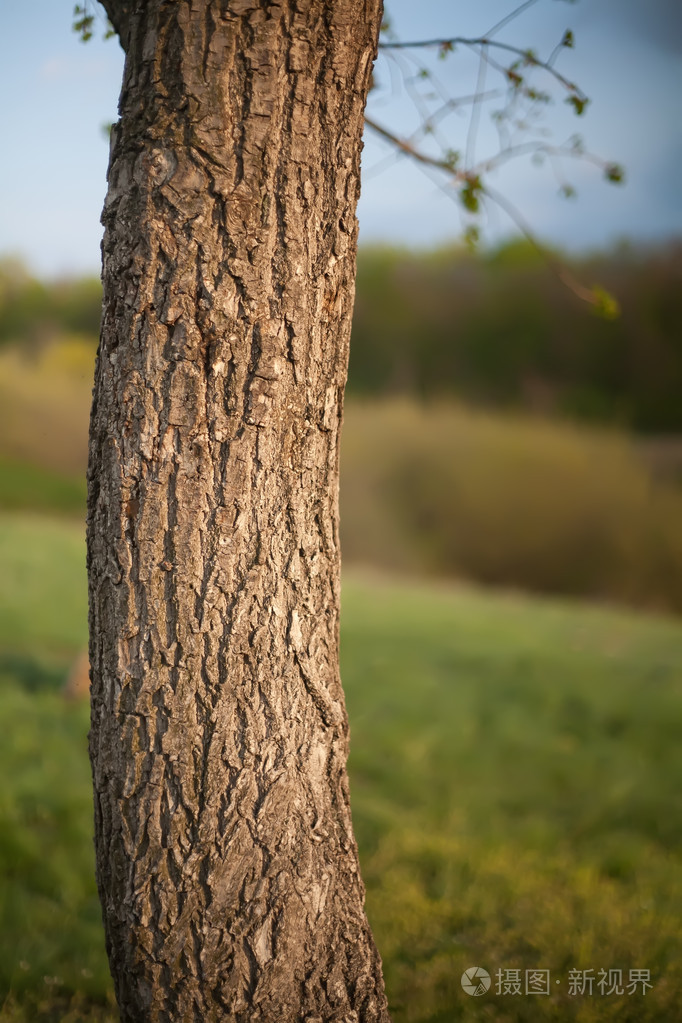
(499,328)
(33,311)
(495,328)
(504,494)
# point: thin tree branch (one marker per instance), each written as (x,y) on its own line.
(476,108)
(484,41)
(510,17)
(492,163)
(561,271)
(406,147)
(469,174)
(528,148)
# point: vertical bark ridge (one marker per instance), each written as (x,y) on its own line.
(226,861)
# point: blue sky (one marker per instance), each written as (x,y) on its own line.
(628,58)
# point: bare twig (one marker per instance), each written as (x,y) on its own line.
(410,150)
(467,175)
(476,108)
(480,42)
(511,16)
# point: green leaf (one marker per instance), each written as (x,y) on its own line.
(605,305)
(614,172)
(537,95)
(579,103)
(470,192)
(83,23)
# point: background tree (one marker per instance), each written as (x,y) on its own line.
(226,862)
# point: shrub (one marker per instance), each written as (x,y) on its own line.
(508,500)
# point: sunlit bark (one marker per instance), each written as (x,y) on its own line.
(226,862)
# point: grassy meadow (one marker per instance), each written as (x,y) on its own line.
(515,775)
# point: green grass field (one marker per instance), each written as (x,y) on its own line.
(516,780)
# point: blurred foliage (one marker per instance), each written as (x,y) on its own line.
(515,773)
(23,485)
(511,500)
(33,311)
(45,396)
(515,497)
(493,327)
(498,328)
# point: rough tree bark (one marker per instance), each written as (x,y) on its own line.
(226,862)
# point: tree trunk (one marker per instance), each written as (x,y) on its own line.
(226,862)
